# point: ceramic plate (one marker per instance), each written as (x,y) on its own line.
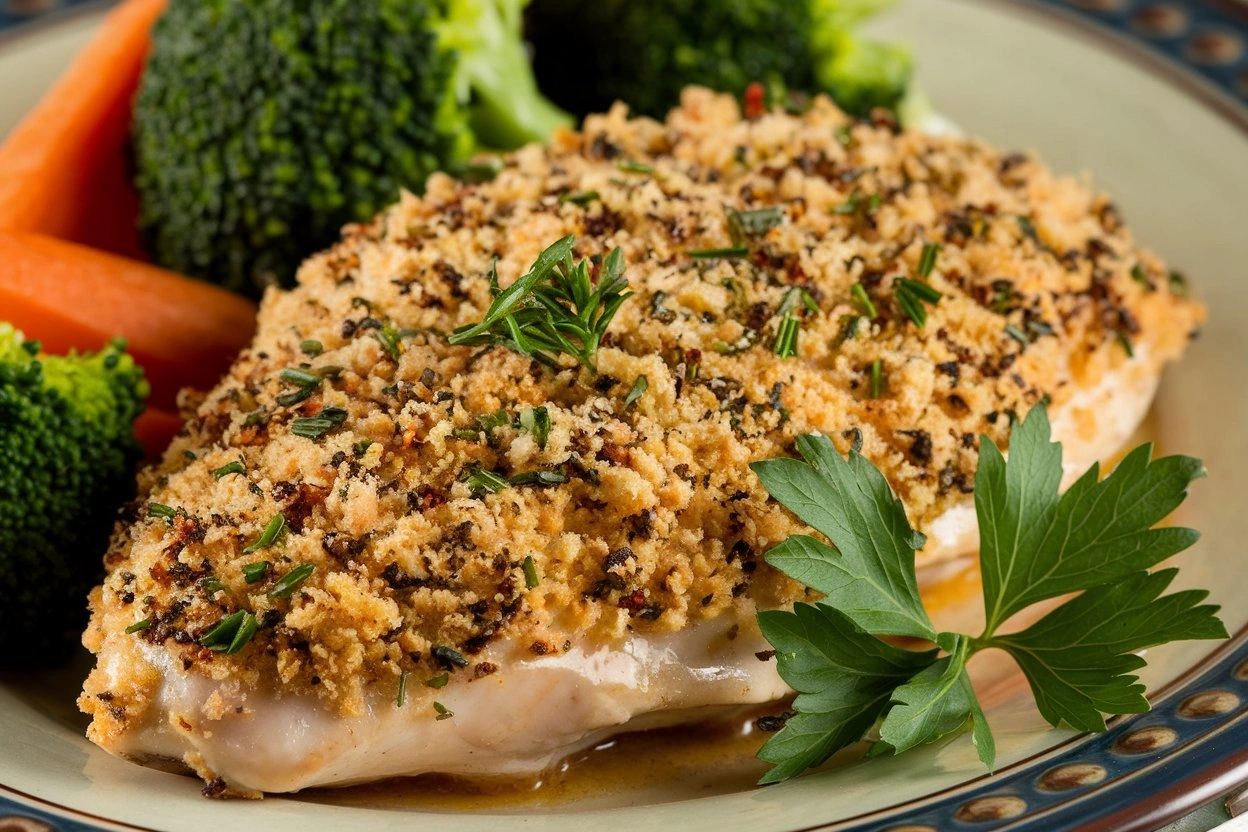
(1152,97)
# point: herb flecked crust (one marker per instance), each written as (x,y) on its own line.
(434,526)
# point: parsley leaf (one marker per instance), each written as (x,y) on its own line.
(1097,540)
(870,576)
(843,676)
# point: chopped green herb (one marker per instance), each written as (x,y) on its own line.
(443,712)
(851,205)
(270,534)
(300,376)
(210,586)
(482,481)
(449,657)
(482,171)
(1028,228)
(927,259)
(253,573)
(1178,284)
(388,336)
(402,695)
(1125,341)
(1039,328)
(189,454)
(1017,334)
(554,309)
(786,336)
(314,427)
(162,510)
(360,448)
(530,572)
(755,222)
(467,434)
(235,467)
(231,634)
(1141,277)
(139,626)
(640,386)
(873,203)
(490,421)
(311,347)
(911,295)
(536,421)
(730,253)
(438,681)
(862,300)
(748,338)
(256,418)
(292,580)
(843,136)
(582,198)
(877,378)
(629,166)
(539,478)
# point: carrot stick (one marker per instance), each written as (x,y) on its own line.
(155,429)
(64,170)
(183,332)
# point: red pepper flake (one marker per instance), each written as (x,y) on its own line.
(633,602)
(755,104)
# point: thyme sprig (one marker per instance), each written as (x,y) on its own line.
(557,308)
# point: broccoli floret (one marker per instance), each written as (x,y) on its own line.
(260,128)
(67,461)
(643,52)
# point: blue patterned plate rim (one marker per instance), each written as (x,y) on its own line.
(1193,745)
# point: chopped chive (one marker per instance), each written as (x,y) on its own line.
(299,376)
(490,421)
(729,253)
(231,634)
(162,510)
(911,295)
(255,572)
(388,336)
(189,454)
(1126,343)
(640,386)
(1039,328)
(786,336)
(467,434)
(873,203)
(539,478)
(859,294)
(849,326)
(270,534)
(849,206)
(755,222)
(530,572)
(1027,227)
(443,711)
(449,658)
(235,467)
(210,586)
(292,580)
(1178,284)
(360,448)
(311,347)
(582,198)
(1017,334)
(927,259)
(629,166)
(402,695)
(877,378)
(482,171)
(256,418)
(314,427)
(438,681)
(139,626)
(482,481)
(1141,277)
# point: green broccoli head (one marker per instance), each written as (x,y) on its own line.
(644,52)
(261,128)
(67,461)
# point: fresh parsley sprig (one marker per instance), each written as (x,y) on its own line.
(555,309)
(1097,539)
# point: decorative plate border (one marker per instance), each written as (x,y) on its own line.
(1146,770)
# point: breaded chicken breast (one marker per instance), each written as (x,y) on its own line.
(373,553)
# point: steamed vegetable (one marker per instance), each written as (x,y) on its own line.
(183,333)
(65,170)
(643,52)
(67,461)
(261,128)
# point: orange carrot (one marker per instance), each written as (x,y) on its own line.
(155,429)
(64,170)
(183,332)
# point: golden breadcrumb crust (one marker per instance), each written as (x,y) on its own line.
(660,523)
